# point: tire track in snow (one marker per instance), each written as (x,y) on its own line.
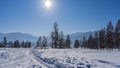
(38,60)
(34,63)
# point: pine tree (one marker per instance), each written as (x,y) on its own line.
(5,42)
(10,43)
(84,42)
(117,34)
(29,44)
(90,42)
(44,42)
(61,40)
(76,44)
(68,42)
(109,35)
(52,39)
(1,45)
(55,36)
(39,42)
(23,44)
(16,44)
(102,38)
(96,42)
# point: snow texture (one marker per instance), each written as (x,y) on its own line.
(58,58)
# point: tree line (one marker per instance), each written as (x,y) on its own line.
(14,44)
(106,38)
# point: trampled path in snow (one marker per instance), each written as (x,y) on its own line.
(79,58)
(18,58)
(58,58)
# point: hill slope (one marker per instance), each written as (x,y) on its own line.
(18,36)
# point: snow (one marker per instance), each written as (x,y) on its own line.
(58,58)
(16,58)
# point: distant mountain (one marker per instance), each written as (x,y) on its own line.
(18,36)
(24,36)
(80,35)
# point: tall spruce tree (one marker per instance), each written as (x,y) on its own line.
(52,39)
(109,35)
(76,44)
(61,40)
(39,42)
(117,34)
(55,36)
(102,38)
(84,44)
(90,42)
(96,42)
(68,42)
(44,42)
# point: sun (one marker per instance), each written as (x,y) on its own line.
(48,3)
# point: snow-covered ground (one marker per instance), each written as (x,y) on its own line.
(58,58)
(17,58)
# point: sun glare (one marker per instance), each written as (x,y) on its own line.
(48,3)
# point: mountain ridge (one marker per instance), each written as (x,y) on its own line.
(80,35)
(12,36)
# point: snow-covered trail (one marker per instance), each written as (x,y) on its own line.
(36,56)
(37,60)
(79,58)
(37,64)
(21,58)
(18,58)
(58,58)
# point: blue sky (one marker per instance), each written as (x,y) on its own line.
(31,16)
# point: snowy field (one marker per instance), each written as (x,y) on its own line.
(58,58)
